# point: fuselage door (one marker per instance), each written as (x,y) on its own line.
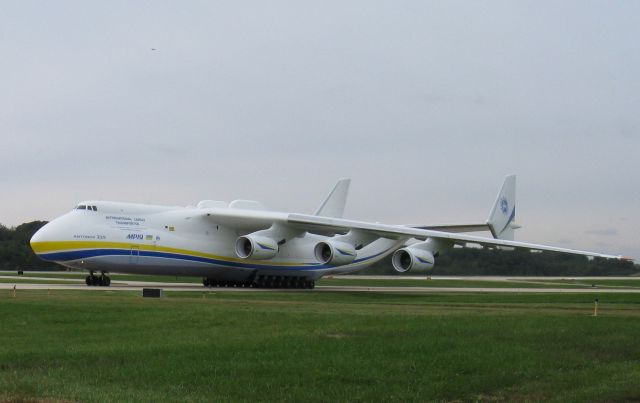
(135,254)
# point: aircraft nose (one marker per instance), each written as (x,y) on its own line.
(37,237)
(40,235)
(39,240)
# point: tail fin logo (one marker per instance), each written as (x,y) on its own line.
(504,205)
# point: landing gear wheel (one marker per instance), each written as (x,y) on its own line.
(102,281)
(92,280)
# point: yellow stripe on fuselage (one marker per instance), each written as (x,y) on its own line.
(61,246)
(64,246)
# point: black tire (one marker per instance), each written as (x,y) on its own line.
(88,280)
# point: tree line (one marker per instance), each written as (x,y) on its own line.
(518,262)
(15,251)
(16,254)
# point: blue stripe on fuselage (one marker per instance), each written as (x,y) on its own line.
(91,253)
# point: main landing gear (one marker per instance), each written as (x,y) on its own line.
(264,282)
(100,281)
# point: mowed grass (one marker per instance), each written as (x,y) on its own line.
(627,283)
(31,281)
(318,346)
(435,282)
(114,277)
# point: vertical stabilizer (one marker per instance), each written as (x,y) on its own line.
(501,220)
(333,205)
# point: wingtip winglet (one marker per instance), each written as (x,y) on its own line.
(334,204)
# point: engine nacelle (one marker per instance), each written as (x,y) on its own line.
(334,253)
(256,247)
(414,259)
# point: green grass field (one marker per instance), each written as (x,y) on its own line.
(400,282)
(31,281)
(318,346)
(114,277)
(632,282)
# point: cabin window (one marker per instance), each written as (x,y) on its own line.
(82,207)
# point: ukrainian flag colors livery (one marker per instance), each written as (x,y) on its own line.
(244,244)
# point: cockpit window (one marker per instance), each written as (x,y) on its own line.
(85,207)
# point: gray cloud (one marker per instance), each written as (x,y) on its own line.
(603,232)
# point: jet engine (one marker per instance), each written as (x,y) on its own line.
(256,247)
(334,253)
(414,259)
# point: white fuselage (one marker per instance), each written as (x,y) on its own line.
(135,238)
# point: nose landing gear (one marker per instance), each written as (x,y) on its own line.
(101,281)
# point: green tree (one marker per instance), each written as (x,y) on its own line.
(474,261)
(15,250)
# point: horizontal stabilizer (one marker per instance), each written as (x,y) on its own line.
(333,205)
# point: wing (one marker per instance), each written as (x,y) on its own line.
(454,228)
(248,221)
(339,226)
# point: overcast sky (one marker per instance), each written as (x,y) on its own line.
(425,105)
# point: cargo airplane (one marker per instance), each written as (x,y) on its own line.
(243,244)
